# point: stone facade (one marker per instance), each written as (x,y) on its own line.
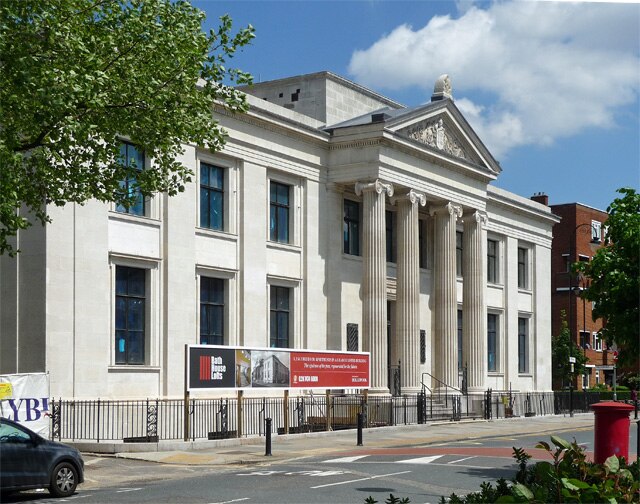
(390,272)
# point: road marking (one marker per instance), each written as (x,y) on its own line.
(360,479)
(125,490)
(92,461)
(229,502)
(420,460)
(460,460)
(344,459)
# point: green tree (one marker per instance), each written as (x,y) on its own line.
(562,347)
(614,272)
(77,76)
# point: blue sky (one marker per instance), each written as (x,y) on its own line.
(552,88)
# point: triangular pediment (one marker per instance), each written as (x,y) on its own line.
(442,128)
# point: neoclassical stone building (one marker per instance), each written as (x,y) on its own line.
(334,218)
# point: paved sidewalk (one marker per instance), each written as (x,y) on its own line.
(288,447)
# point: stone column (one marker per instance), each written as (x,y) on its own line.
(474,311)
(446,316)
(408,289)
(374,280)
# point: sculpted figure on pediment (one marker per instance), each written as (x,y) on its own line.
(435,135)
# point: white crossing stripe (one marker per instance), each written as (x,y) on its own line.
(421,460)
(344,459)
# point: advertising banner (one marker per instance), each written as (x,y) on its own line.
(224,367)
(24,398)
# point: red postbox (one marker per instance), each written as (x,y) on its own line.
(611,430)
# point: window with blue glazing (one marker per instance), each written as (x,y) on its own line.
(279,205)
(279,317)
(492,342)
(211,197)
(130,315)
(351,227)
(132,157)
(212,311)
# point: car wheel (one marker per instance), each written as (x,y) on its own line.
(64,480)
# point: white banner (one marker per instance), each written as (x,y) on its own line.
(24,398)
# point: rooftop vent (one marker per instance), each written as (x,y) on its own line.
(379,117)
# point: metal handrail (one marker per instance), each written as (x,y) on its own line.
(446,390)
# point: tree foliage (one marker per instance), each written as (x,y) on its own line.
(614,272)
(562,347)
(77,76)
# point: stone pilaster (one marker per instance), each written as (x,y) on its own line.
(374,259)
(474,312)
(446,316)
(408,290)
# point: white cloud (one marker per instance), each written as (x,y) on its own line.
(543,70)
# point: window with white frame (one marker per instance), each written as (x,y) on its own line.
(492,342)
(596,231)
(585,340)
(597,377)
(597,342)
(585,379)
(523,345)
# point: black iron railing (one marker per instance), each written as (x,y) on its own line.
(153,420)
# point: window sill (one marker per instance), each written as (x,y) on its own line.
(525,375)
(284,246)
(524,290)
(213,233)
(351,257)
(134,368)
(137,219)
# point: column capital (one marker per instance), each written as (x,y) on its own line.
(377,186)
(450,208)
(478,215)
(412,197)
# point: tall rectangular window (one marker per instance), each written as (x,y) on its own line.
(492,261)
(279,313)
(351,227)
(596,231)
(597,342)
(132,157)
(459,253)
(422,243)
(523,268)
(211,197)
(211,311)
(279,212)
(390,224)
(585,339)
(460,364)
(423,346)
(523,345)
(130,315)
(492,342)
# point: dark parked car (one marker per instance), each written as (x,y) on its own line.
(30,461)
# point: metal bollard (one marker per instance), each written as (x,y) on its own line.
(267,433)
(360,422)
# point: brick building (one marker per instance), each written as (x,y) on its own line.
(577,238)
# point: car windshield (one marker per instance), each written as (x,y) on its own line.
(12,434)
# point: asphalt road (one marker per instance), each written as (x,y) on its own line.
(422,472)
